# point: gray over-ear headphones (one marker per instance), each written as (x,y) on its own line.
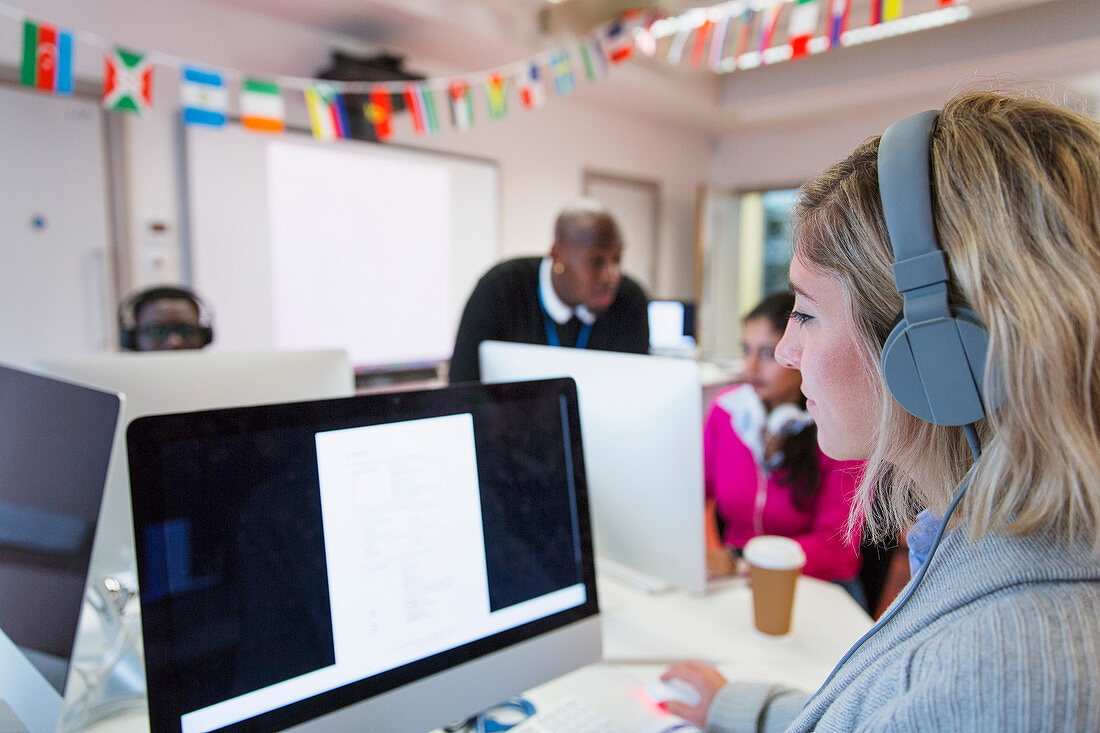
(934,359)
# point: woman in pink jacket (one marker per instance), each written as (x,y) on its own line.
(764,472)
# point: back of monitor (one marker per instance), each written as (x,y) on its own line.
(641,420)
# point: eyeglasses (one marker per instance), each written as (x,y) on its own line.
(161,331)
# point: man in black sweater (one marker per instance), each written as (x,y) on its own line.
(577,296)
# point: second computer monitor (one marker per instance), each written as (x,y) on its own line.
(176,381)
(642,427)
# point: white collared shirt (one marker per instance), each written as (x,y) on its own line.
(554,305)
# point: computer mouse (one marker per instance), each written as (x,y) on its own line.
(674,689)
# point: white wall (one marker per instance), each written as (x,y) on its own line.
(799,117)
(542,154)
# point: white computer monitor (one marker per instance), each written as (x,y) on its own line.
(175,381)
(643,446)
(55,443)
(388,562)
(671,326)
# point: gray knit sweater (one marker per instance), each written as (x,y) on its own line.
(1002,635)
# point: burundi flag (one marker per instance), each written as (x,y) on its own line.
(327,117)
(803,25)
(47,58)
(128,82)
(562,68)
(379,112)
(203,96)
(496,93)
(531,91)
(462,104)
(421,104)
(262,105)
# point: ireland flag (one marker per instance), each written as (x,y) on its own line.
(128,82)
(262,106)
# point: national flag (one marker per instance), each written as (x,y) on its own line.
(803,25)
(699,47)
(47,58)
(718,42)
(496,93)
(769,24)
(876,12)
(562,67)
(203,97)
(418,98)
(892,9)
(838,20)
(646,42)
(620,43)
(379,112)
(744,32)
(128,82)
(676,46)
(531,91)
(262,105)
(462,104)
(595,64)
(327,116)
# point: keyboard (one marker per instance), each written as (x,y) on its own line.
(568,716)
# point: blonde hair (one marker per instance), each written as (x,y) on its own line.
(1016,199)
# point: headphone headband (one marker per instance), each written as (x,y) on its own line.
(934,359)
(128,308)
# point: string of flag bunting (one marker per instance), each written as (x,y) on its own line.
(737,34)
(741,34)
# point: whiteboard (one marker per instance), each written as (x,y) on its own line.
(300,244)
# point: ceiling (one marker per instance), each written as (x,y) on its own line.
(1052,40)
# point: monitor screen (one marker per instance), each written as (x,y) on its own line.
(55,442)
(671,324)
(406,559)
(643,444)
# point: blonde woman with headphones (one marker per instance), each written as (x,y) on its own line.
(947,327)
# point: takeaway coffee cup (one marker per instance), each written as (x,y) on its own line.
(774,566)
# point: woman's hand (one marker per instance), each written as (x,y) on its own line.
(706,680)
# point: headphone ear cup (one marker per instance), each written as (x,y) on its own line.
(207,334)
(934,369)
(127,339)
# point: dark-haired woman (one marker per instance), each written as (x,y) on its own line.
(764,471)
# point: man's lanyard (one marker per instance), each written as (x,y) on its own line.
(552,331)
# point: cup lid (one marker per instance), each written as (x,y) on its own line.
(774,552)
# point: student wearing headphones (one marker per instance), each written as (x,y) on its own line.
(764,473)
(164,318)
(974,393)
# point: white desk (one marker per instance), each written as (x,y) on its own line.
(644,633)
